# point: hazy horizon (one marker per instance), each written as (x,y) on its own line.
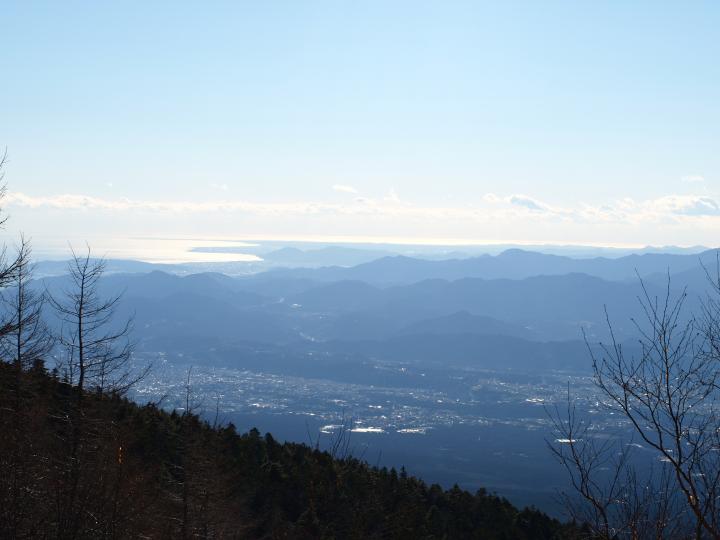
(213,249)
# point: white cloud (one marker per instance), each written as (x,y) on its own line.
(219,187)
(684,205)
(392,196)
(693,179)
(358,206)
(502,218)
(527,202)
(521,210)
(342,188)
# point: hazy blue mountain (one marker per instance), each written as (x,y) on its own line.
(58,268)
(698,279)
(362,325)
(213,321)
(464,322)
(340,296)
(200,307)
(120,266)
(327,256)
(157,284)
(382,267)
(550,307)
(437,252)
(539,308)
(510,264)
(214,310)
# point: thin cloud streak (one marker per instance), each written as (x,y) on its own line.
(342,188)
(491,207)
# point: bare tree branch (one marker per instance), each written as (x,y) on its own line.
(98,349)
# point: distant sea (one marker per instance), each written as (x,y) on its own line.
(160,250)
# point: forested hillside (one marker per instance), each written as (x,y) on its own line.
(99,466)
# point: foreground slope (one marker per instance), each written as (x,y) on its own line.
(96,466)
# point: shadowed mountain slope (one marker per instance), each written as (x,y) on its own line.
(112,468)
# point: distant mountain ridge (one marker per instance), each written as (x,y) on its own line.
(331,262)
(464,322)
(510,264)
(283,311)
(286,310)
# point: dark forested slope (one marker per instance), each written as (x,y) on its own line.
(98,466)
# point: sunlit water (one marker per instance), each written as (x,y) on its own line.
(165,250)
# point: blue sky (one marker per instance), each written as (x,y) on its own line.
(568,122)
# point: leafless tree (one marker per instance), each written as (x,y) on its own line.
(98,350)
(610,495)
(28,340)
(97,357)
(668,393)
(23,342)
(340,438)
(3,187)
(8,266)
